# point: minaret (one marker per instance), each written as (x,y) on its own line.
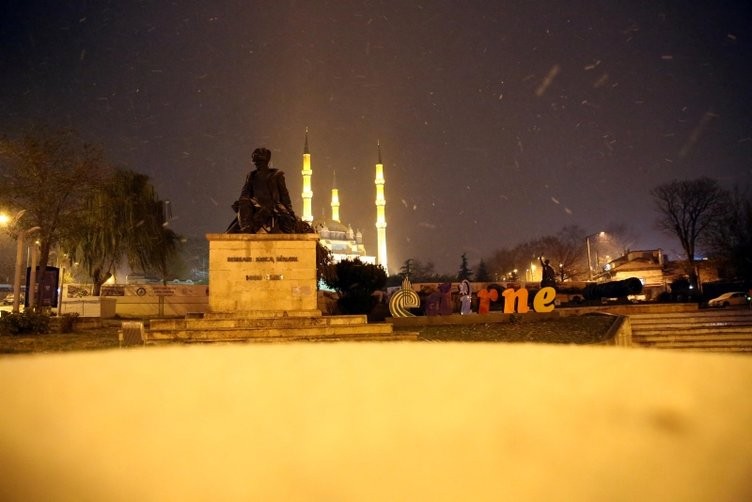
(307,192)
(335,199)
(380,215)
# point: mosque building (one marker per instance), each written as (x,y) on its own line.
(339,238)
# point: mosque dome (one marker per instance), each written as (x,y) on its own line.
(328,225)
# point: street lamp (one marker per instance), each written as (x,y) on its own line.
(6,220)
(19,264)
(589,259)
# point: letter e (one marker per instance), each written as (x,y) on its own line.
(544,299)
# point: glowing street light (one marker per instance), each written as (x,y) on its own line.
(5,221)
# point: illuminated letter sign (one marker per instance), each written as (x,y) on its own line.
(511,297)
(542,302)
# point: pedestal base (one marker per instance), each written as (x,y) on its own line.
(262,275)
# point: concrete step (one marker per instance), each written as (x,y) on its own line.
(675,326)
(696,330)
(729,347)
(701,313)
(721,337)
(257,323)
(716,330)
(695,318)
(355,327)
(394,337)
(246,337)
(704,312)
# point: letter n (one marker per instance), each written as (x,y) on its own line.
(511,296)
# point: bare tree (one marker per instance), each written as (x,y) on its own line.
(571,252)
(686,210)
(501,263)
(729,238)
(49,176)
(566,250)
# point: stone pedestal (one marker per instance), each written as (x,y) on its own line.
(262,275)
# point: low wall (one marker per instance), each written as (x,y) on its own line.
(153,300)
(161,306)
(138,300)
(620,333)
(91,306)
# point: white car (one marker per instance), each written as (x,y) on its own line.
(8,300)
(728,299)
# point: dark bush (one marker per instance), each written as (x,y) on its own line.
(682,291)
(664,297)
(356,304)
(24,323)
(67,321)
(355,282)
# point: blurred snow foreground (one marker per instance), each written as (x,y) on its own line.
(370,421)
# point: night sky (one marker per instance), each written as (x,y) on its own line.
(499,121)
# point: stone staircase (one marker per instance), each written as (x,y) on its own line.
(722,330)
(271,329)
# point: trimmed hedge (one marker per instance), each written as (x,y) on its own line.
(24,323)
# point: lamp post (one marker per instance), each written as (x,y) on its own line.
(6,220)
(19,264)
(589,259)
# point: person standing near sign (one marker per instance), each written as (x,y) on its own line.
(549,274)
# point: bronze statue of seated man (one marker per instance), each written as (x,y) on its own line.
(264,205)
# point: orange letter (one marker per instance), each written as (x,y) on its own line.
(544,299)
(510,295)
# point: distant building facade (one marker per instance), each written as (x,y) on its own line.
(648,266)
(655,270)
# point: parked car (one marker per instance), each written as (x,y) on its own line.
(8,300)
(729,299)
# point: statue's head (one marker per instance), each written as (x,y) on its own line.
(261,156)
